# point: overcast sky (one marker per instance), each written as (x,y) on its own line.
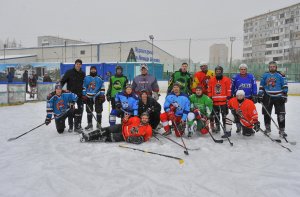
(210,22)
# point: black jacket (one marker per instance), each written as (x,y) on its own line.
(152,106)
(74,80)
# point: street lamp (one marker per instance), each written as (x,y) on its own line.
(152,38)
(57,56)
(232,39)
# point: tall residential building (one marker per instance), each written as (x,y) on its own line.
(218,54)
(273,36)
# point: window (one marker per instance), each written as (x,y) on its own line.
(268,45)
(275,45)
(82,52)
(281,15)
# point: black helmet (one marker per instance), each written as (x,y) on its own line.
(119,67)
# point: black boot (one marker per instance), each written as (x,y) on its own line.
(226,134)
(92,136)
(238,128)
(99,120)
(90,120)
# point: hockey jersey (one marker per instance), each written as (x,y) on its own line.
(116,84)
(219,90)
(248,110)
(180,102)
(133,127)
(59,104)
(145,82)
(202,79)
(274,84)
(246,83)
(203,103)
(129,102)
(183,78)
(93,86)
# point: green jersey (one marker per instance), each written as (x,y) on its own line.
(203,103)
(183,78)
(116,84)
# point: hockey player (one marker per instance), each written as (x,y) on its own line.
(201,78)
(117,83)
(244,111)
(93,94)
(61,105)
(74,80)
(126,102)
(219,89)
(151,106)
(182,77)
(147,82)
(273,91)
(201,107)
(244,81)
(132,130)
(177,107)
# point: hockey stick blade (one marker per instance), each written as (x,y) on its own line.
(216,140)
(181,161)
(292,143)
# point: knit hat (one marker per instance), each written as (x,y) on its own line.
(240,92)
(128,86)
(144,66)
(58,86)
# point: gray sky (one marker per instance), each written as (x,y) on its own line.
(122,20)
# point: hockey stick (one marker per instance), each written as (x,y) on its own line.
(191,149)
(176,129)
(215,140)
(222,126)
(181,161)
(292,143)
(14,138)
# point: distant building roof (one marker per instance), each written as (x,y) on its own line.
(8,57)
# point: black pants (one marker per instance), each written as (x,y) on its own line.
(154,120)
(98,109)
(217,109)
(279,106)
(60,122)
(78,113)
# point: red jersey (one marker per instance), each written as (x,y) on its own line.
(133,127)
(247,109)
(202,79)
(219,90)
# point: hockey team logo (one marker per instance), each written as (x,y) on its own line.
(125,105)
(271,82)
(92,85)
(218,89)
(117,85)
(244,86)
(177,106)
(60,105)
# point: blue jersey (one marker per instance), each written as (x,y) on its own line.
(93,86)
(59,104)
(274,84)
(129,102)
(246,83)
(181,102)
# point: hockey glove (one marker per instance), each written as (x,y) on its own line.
(260,98)
(47,121)
(155,95)
(72,107)
(118,105)
(84,99)
(256,126)
(171,115)
(254,99)
(108,98)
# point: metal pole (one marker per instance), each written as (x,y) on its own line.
(190,53)
(120,51)
(65,51)
(4,53)
(230,65)
(152,38)
(91,53)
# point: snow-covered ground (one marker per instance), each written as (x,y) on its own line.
(44,163)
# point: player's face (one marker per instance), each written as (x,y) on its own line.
(144,97)
(272,67)
(93,70)
(144,71)
(144,119)
(218,72)
(128,90)
(58,91)
(199,92)
(184,67)
(176,89)
(78,66)
(240,97)
(119,71)
(243,71)
(203,68)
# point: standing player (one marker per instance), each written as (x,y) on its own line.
(74,80)
(273,91)
(246,82)
(183,78)
(93,94)
(219,89)
(201,78)
(117,83)
(147,82)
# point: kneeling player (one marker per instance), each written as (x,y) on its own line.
(132,130)
(62,106)
(201,107)
(244,111)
